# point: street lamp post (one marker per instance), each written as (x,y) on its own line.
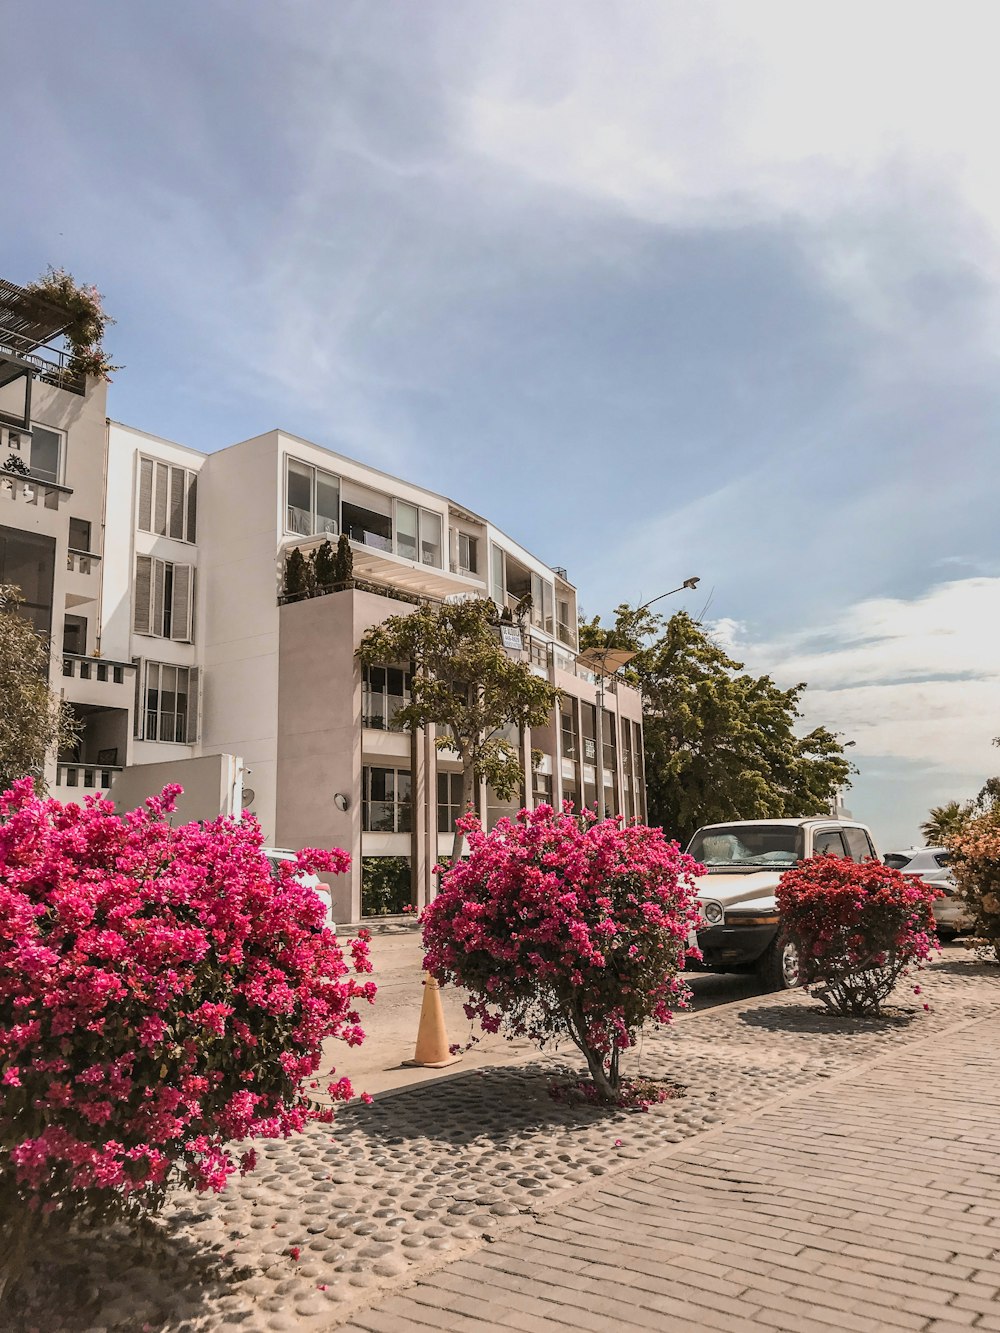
(605,663)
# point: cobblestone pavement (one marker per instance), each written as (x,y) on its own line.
(441,1184)
(870,1204)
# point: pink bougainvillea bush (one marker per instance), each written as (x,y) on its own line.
(563,926)
(163,998)
(858,928)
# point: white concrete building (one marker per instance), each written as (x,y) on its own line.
(158,572)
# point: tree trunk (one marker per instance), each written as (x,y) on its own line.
(468,798)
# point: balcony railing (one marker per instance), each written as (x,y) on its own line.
(81,667)
(95,777)
(81,562)
(29,490)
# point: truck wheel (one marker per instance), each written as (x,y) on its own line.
(779,968)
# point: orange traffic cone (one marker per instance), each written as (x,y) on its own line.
(432,1040)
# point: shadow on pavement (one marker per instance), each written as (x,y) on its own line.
(814,1016)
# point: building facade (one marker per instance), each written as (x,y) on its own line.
(158,573)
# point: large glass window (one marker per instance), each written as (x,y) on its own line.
(430,537)
(46,454)
(570,740)
(387,805)
(467,553)
(79,534)
(28,560)
(497,582)
(449,801)
(407,530)
(167,703)
(312,500)
(367,516)
(384,691)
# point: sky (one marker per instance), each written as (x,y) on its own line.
(664,289)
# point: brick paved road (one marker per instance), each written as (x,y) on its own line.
(871,1202)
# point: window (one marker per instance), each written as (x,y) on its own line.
(167,500)
(79,534)
(75,635)
(164,599)
(384,690)
(449,801)
(569,737)
(170,708)
(828,842)
(541,789)
(386,805)
(28,560)
(367,516)
(467,552)
(859,844)
(312,500)
(497,581)
(407,530)
(46,454)
(430,538)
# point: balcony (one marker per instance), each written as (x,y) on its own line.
(77,666)
(28,324)
(73,777)
(101,752)
(30,491)
(81,562)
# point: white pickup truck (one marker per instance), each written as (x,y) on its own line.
(738,929)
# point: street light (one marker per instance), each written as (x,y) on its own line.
(606,662)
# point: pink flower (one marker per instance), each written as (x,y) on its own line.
(294,1251)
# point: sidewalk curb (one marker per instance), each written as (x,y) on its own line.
(526,1220)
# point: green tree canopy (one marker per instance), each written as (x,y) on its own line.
(946,821)
(33,720)
(719,743)
(466,684)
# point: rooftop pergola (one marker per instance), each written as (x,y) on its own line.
(29,326)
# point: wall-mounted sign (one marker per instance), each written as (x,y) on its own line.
(510,637)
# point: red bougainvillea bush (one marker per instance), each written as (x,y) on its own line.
(858,928)
(563,926)
(162,999)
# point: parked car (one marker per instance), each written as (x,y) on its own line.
(932,865)
(744,862)
(277,855)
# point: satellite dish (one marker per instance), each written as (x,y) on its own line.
(248,797)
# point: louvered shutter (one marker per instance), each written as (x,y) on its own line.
(146,494)
(141,615)
(176,528)
(192,507)
(194,705)
(160,499)
(181,607)
(156,615)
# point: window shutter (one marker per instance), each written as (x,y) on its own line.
(181,609)
(177,503)
(160,500)
(143,595)
(139,717)
(146,494)
(156,615)
(192,506)
(194,705)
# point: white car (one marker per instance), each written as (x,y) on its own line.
(277,855)
(739,928)
(931,864)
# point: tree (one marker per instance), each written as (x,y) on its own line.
(945,822)
(33,720)
(466,684)
(324,564)
(162,997)
(719,743)
(562,926)
(343,565)
(299,580)
(975,862)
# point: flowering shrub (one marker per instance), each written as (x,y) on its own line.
(162,997)
(976,865)
(87,324)
(857,928)
(562,926)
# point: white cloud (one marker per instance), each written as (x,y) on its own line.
(918,680)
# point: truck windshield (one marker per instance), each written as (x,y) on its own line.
(736,846)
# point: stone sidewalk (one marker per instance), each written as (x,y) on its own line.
(868,1201)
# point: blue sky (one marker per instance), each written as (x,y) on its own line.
(662,288)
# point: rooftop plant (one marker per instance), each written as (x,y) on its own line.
(88,321)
